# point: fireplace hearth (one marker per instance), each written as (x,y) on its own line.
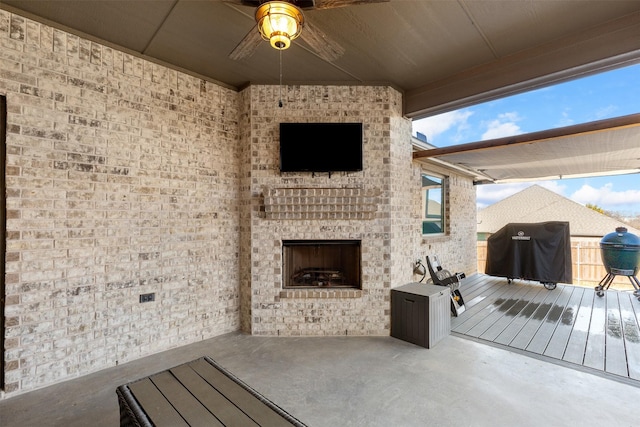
(321,264)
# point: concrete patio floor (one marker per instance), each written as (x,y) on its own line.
(361,381)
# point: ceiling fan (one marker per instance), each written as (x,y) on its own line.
(268,12)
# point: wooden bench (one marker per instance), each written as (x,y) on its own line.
(198,393)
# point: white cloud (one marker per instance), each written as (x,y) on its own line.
(437,125)
(511,116)
(565,120)
(491,193)
(608,111)
(554,186)
(606,197)
(504,125)
(499,130)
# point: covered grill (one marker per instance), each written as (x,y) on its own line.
(531,251)
(620,252)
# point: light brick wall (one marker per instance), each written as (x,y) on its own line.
(405,221)
(386,151)
(122,179)
(456,249)
(390,232)
(246,208)
(126,177)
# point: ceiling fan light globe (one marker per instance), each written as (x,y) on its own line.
(280,41)
(279,22)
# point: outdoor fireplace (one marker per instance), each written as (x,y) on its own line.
(321,264)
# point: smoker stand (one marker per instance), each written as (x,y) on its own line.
(608,279)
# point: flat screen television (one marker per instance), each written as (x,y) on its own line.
(320,147)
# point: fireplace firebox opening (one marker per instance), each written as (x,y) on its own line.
(321,264)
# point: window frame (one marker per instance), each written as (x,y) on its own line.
(424,197)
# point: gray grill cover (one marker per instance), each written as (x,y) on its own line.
(531,251)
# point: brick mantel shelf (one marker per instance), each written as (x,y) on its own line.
(321,203)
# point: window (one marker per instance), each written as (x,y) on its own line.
(432,204)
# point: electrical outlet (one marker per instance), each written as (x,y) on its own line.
(148,297)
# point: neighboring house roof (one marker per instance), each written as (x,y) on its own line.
(433,206)
(537,204)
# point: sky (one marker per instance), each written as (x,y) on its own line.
(601,96)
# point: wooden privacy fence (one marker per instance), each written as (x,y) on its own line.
(587,269)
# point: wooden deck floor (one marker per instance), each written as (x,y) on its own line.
(569,324)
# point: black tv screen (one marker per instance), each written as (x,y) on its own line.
(320,147)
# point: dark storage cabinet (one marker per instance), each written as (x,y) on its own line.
(420,313)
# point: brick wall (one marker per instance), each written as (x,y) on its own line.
(281,207)
(122,179)
(363,312)
(405,219)
(457,249)
(126,177)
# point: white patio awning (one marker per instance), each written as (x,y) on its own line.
(605,147)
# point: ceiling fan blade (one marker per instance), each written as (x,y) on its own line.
(325,47)
(247,46)
(330,4)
